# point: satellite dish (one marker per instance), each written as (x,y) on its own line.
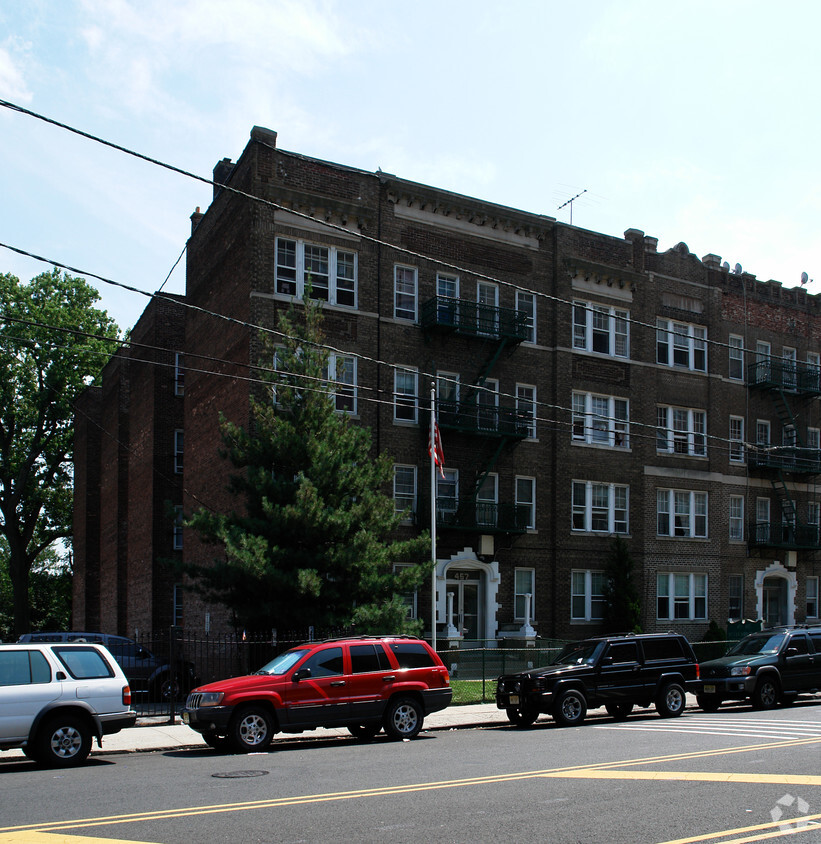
(804,278)
(725,266)
(737,269)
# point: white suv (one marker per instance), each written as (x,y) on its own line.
(55,698)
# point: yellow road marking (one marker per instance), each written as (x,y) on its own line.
(688,776)
(31,837)
(772,832)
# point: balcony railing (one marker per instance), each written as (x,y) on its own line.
(481,516)
(775,373)
(805,461)
(474,318)
(784,535)
(486,420)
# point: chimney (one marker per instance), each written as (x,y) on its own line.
(195,219)
(222,173)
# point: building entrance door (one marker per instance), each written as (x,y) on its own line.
(465,585)
(774,595)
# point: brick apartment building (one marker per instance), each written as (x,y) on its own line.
(588,386)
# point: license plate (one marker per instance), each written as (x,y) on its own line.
(184,716)
(514,700)
(709,689)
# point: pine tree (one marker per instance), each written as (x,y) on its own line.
(622,605)
(313,543)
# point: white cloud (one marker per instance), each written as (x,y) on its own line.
(12,79)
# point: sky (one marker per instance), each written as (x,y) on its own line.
(692,121)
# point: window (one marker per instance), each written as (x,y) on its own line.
(405,392)
(681,513)
(177,530)
(762,432)
(680,430)
(681,344)
(331,273)
(737,439)
(600,420)
(526,304)
(813,513)
(179,616)
(179,375)
(404,292)
(367,658)
(487,406)
(487,308)
(326,663)
(735,596)
(343,381)
(812,599)
(762,519)
(587,595)
(447,289)
(179,436)
(524,584)
(526,500)
(447,492)
(681,596)
(526,408)
(487,498)
(813,376)
(412,655)
(790,364)
(736,358)
(404,491)
(84,663)
(737,517)
(599,508)
(22,668)
(597,328)
(813,439)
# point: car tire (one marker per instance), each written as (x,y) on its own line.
(164,688)
(765,694)
(62,742)
(618,711)
(671,701)
(708,703)
(570,708)
(364,732)
(403,718)
(251,729)
(521,717)
(219,743)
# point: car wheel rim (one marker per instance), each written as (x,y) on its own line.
(66,742)
(571,708)
(674,700)
(253,730)
(404,719)
(768,694)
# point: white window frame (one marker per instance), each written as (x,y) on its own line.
(582,582)
(528,575)
(736,358)
(179,374)
(526,303)
(600,420)
(402,398)
(526,498)
(344,393)
(342,273)
(681,344)
(488,493)
(178,607)
(176,541)
(682,513)
(450,483)
(814,513)
(526,407)
(763,432)
(814,438)
(405,292)
(812,597)
(611,501)
(404,496)
(789,361)
(681,430)
(179,450)
(735,581)
(682,590)
(736,518)
(736,435)
(591,335)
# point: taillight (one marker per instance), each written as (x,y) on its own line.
(698,671)
(126,695)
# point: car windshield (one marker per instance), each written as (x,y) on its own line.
(764,644)
(283,662)
(578,653)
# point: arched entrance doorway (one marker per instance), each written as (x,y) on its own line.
(473,586)
(775,589)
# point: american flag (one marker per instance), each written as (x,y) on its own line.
(435,446)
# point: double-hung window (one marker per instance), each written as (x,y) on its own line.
(404,292)
(681,344)
(681,596)
(526,501)
(587,595)
(447,493)
(405,395)
(737,439)
(600,420)
(329,272)
(179,374)
(599,508)
(736,518)
(177,528)
(598,328)
(487,500)
(179,439)
(342,376)
(526,304)
(681,513)
(736,345)
(524,584)
(735,596)
(812,599)
(404,491)
(526,408)
(681,430)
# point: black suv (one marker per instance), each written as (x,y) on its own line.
(617,672)
(767,668)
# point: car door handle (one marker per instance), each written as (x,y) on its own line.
(389,679)
(338,683)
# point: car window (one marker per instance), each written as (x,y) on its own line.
(763,644)
(283,663)
(667,648)
(412,655)
(579,653)
(325,663)
(366,658)
(799,642)
(816,640)
(15,669)
(84,663)
(623,652)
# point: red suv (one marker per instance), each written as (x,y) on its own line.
(363,683)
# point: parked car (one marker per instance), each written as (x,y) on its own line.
(766,668)
(363,683)
(617,672)
(150,677)
(56,698)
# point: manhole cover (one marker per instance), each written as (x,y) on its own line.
(239,774)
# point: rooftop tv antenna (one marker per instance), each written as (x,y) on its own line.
(570,203)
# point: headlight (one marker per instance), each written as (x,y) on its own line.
(211,698)
(740,671)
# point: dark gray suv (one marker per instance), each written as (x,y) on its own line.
(617,672)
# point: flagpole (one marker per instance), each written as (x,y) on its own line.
(432,450)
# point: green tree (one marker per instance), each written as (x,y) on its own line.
(313,543)
(52,344)
(622,604)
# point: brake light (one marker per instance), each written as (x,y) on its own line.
(126,695)
(698,671)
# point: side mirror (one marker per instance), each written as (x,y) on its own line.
(608,660)
(302,674)
(791,651)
